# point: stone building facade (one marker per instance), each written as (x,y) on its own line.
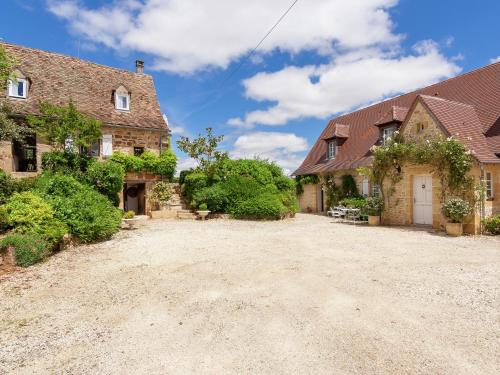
(466,107)
(125,103)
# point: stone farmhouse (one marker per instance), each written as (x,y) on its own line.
(125,102)
(466,107)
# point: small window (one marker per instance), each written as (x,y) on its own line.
(420,127)
(138,151)
(122,101)
(388,134)
(365,187)
(94,150)
(24,154)
(332,149)
(107,145)
(18,88)
(375,190)
(489,185)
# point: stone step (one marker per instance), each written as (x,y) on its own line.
(186,215)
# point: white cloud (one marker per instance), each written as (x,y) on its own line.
(189,35)
(496,59)
(283,148)
(349,81)
(185,163)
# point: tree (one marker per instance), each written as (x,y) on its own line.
(60,124)
(204,150)
(9,129)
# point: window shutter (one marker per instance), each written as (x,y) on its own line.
(365,190)
(107,144)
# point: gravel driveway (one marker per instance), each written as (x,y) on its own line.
(299,296)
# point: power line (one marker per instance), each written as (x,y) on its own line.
(243,61)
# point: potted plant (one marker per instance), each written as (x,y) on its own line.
(455,210)
(373,208)
(160,193)
(203,211)
(129,219)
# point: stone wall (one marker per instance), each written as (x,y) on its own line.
(125,139)
(308,200)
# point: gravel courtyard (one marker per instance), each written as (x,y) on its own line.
(302,296)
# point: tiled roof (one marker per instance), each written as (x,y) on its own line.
(461,121)
(479,89)
(395,114)
(338,131)
(57,79)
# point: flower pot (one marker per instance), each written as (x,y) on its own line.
(203,214)
(130,222)
(454,229)
(374,220)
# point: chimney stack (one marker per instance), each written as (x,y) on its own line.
(139,66)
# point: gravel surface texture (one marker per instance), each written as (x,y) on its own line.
(301,296)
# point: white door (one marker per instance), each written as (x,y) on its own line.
(422,200)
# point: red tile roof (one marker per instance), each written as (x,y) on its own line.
(57,79)
(479,89)
(396,114)
(338,131)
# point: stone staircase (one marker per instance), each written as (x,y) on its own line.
(177,208)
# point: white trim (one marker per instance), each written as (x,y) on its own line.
(330,149)
(118,101)
(107,144)
(14,94)
(488,180)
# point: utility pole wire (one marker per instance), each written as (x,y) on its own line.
(243,61)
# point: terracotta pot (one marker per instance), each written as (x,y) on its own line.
(373,220)
(454,229)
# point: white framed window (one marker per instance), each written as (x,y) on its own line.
(107,144)
(375,190)
(387,134)
(365,187)
(332,149)
(122,101)
(18,88)
(488,182)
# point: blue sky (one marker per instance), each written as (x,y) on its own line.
(325,58)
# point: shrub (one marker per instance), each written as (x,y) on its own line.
(89,215)
(164,164)
(264,206)
(353,202)
(216,197)
(373,206)
(7,187)
(28,248)
(28,213)
(492,224)
(161,192)
(65,162)
(130,163)
(348,186)
(129,215)
(203,207)
(456,209)
(107,178)
(193,182)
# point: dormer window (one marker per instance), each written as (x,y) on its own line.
(18,88)
(332,149)
(122,101)
(387,134)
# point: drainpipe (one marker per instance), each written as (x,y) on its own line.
(483,197)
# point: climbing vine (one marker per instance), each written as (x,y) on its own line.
(449,159)
(300,181)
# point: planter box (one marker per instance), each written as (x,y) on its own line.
(454,229)
(373,220)
(203,214)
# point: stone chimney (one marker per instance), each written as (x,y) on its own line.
(139,66)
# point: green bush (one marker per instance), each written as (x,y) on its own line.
(65,162)
(266,205)
(374,206)
(6,186)
(107,178)
(353,202)
(129,215)
(28,213)
(89,215)
(348,187)
(193,182)
(28,248)
(215,197)
(163,164)
(203,207)
(161,192)
(492,224)
(456,209)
